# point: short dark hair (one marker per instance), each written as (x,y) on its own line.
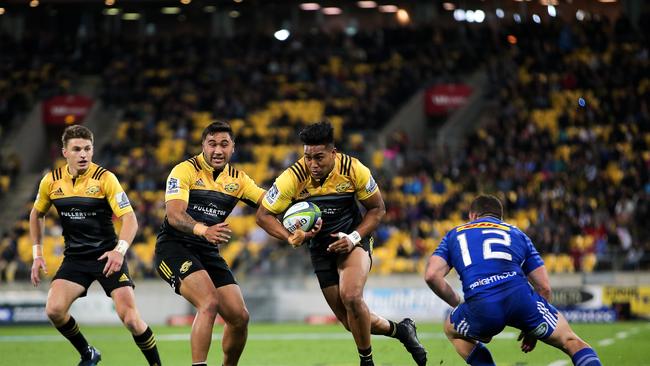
(215,127)
(320,133)
(487,205)
(76,132)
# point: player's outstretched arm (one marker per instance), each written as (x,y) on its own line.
(539,279)
(437,269)
(36,228)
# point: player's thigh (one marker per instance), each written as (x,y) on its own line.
(462,344)
(325,267)
(477,320)
(333,298)
(353,272)
(531,313)
(78,271)
(198,289)
(449,329)
(564,338)
(124,299)
(117,280)
(62,294)
(218,270)
(231,305)
(175,262)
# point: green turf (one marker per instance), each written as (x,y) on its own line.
(297,344)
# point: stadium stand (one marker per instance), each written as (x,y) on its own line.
(575,177)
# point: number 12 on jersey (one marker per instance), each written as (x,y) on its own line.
(488,252)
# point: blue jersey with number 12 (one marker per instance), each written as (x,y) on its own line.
(489,255)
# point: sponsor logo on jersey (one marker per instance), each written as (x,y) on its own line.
(482,225)
(185,266)
(58,192)
(77,214)
(211,209)
(492,279)
(122,200)
(231,187)
(371,185)
(303,194)
(272,195)
(342,187)
(199,183)
(540,330)
(172,185)
(124,278)
(92,190)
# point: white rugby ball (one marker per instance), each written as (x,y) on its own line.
(302,215)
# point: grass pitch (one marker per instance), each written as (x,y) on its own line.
(310,345)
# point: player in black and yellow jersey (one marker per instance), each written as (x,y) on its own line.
(201,193)
(341,246)
(86,197)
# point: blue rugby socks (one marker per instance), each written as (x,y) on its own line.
(480,356)
(586,357)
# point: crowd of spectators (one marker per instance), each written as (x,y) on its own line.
(33,68)
(573,174)
(567,150)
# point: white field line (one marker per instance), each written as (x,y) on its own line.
(606,342)
(257,337)
(559,363)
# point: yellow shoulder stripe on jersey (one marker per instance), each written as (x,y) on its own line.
(194,163)
(483,225)
(303,169)
(233,172)
(56,174)
(346,163)
(98,173)
(299,171)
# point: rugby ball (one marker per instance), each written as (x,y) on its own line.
(302,215)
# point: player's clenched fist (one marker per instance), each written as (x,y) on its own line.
(299,236)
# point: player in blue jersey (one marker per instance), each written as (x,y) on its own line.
(495,262)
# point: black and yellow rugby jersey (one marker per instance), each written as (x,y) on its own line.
(86,206)
(348,181)
(210,196)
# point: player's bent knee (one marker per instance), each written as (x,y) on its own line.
(131,319)
(209,305)
(55,312)
(450,332)
(240,319)
(351,299)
